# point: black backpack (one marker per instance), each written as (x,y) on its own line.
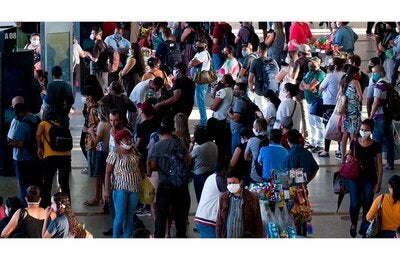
(60,138)
(32,145)
(253,38)
(265,75)
(391,105)
(250,114)
(258,166)
(173,55)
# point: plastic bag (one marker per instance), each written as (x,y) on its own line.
(333,128)
(147,191)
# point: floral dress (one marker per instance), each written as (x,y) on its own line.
(352,117)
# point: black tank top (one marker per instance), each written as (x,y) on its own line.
(31,226)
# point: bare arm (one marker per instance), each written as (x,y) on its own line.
(235,158)
(374,106)
(12,225)
(251,81)
(39,133)
(357,85)
(107,181)
(127,67)
(45,233)
(269,39)
(379,167)
(216,104)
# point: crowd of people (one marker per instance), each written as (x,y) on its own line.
(271,103)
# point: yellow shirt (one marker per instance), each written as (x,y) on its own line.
(390,212)
(47,151)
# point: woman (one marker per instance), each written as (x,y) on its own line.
(63,223)
(31,222)
(122,181)
(181,126)
(390,220)
(350,87)
(188,39)
(362,190)
(12,205)
(134,68)
(269,112)
(34,45)
(285,72)
(275,41)
(330,89)
(288,106)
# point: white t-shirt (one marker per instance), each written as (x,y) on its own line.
(204,58)
(286,109)
(330,87)
(226,94)
(76,50)
(139,91)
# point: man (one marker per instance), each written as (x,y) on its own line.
(59,98)
(21,137)
(243,37)
(345,37)
(300,33)
(220,29)
(168,51)
(383,130)
(182,100)
(253,147)
(248,56)
(169,195)
(118,43)
(299,157)
(263,71)
(98,65)
(239,212)
(272,156)
(230,65)
(355,60)
(202,61)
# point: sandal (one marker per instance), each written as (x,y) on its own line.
(91,203)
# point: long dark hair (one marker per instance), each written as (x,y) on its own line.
(64,207)
(271,95)
(394,182)
(138,55)
(346,79)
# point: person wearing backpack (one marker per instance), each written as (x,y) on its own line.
(21,137)
(168,52)
(220,29)
(253,148)
(98,65)
(383,130)
(263,71)
(53,160)
(245,35)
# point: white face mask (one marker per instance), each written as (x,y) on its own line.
(7,211)
(54,207)
(242,140)
(83,99)
(233,187)
(245,53)
(131,52)
(365,135)
(175,73)
(255,131)
(398,29)
(35,42)
(125,146)
(287,60)
(91,37)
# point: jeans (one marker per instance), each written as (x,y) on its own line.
(28,173)
(383,134)
(217,62)
(395,73)
(177,198)
(205,231)
(125,205)
(361,195)
(200,96)
(235,141)
(51,165)
(91,159)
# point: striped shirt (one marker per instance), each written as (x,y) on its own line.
(234,222)
(126,174)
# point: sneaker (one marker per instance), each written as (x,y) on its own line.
(338,156)
(388,167)
(323,154)
(317,149)
(309,146)
(143,213)
(84,171)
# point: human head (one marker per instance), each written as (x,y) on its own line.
(337,64)
(153,62)
(314,64)
(245,134)
(262,49)
(294,137)
(33,194)
(304,50)
(201,136)
(272,97)
(228,52)
(13,204)
(166,32)
(378,72)
(259,126)
(286,122)
(119,30)
(373,62)
(157,83)
(146,108)
(16,100)
(390,26)
(35,39)
(164,130)
(181,124)
(42,76)
(275,136)
(239,89)
(394,185)
(60,203)
(247,48)
(20,110)
(96,33)
(355,60)
(227,80)
(56,72)
(201,44)
(234,181)
(116,118)
(291,89)
(123,136)
(115,88)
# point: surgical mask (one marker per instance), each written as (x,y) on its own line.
(255,132)
(83,99)
(7,211)
(376,76)
(245,53)
(242,140)
(287,60)
(365,135)
(233,187)
(54,207)
(398,29)
(91,37)
(125,146)
(131,52)
(35,42)
(236,93)
(175,73)
(118,36)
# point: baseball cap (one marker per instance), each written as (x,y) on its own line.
(146,107)
(305,49)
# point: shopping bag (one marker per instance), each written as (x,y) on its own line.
(333,128)
(147,191)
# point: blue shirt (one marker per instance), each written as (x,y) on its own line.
(272,157)
(346,38)
(59,227)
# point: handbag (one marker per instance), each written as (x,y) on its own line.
(341,105)
(375,225)
(316,107)
(147,191)
(206,76)
(351,169)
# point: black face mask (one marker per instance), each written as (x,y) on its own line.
(370,68)
(200,49)
(225,55)
(331,67)
(236,93)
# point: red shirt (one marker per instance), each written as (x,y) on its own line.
(301,33)
(218,33)
(284,140)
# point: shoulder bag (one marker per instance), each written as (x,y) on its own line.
(351,169)
(206,76)
(375,225)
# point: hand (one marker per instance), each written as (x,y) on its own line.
(377,188)
(47,212)
(107,195)
(40,152)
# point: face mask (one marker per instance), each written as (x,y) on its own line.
(398,29)
(376,76)
(35,42)
(255,131)
(331,67)
(118,36)
(7,211)
(200,49)
(287,60)
(83,99)
(233,188)
(242,140)
(236,94)
(245,53)
(175,73)
(125,146)
(131,52)
(357,77)
(54,207)
(365,135)
(225,55)
(91,37)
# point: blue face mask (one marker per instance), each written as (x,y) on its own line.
(376,76)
